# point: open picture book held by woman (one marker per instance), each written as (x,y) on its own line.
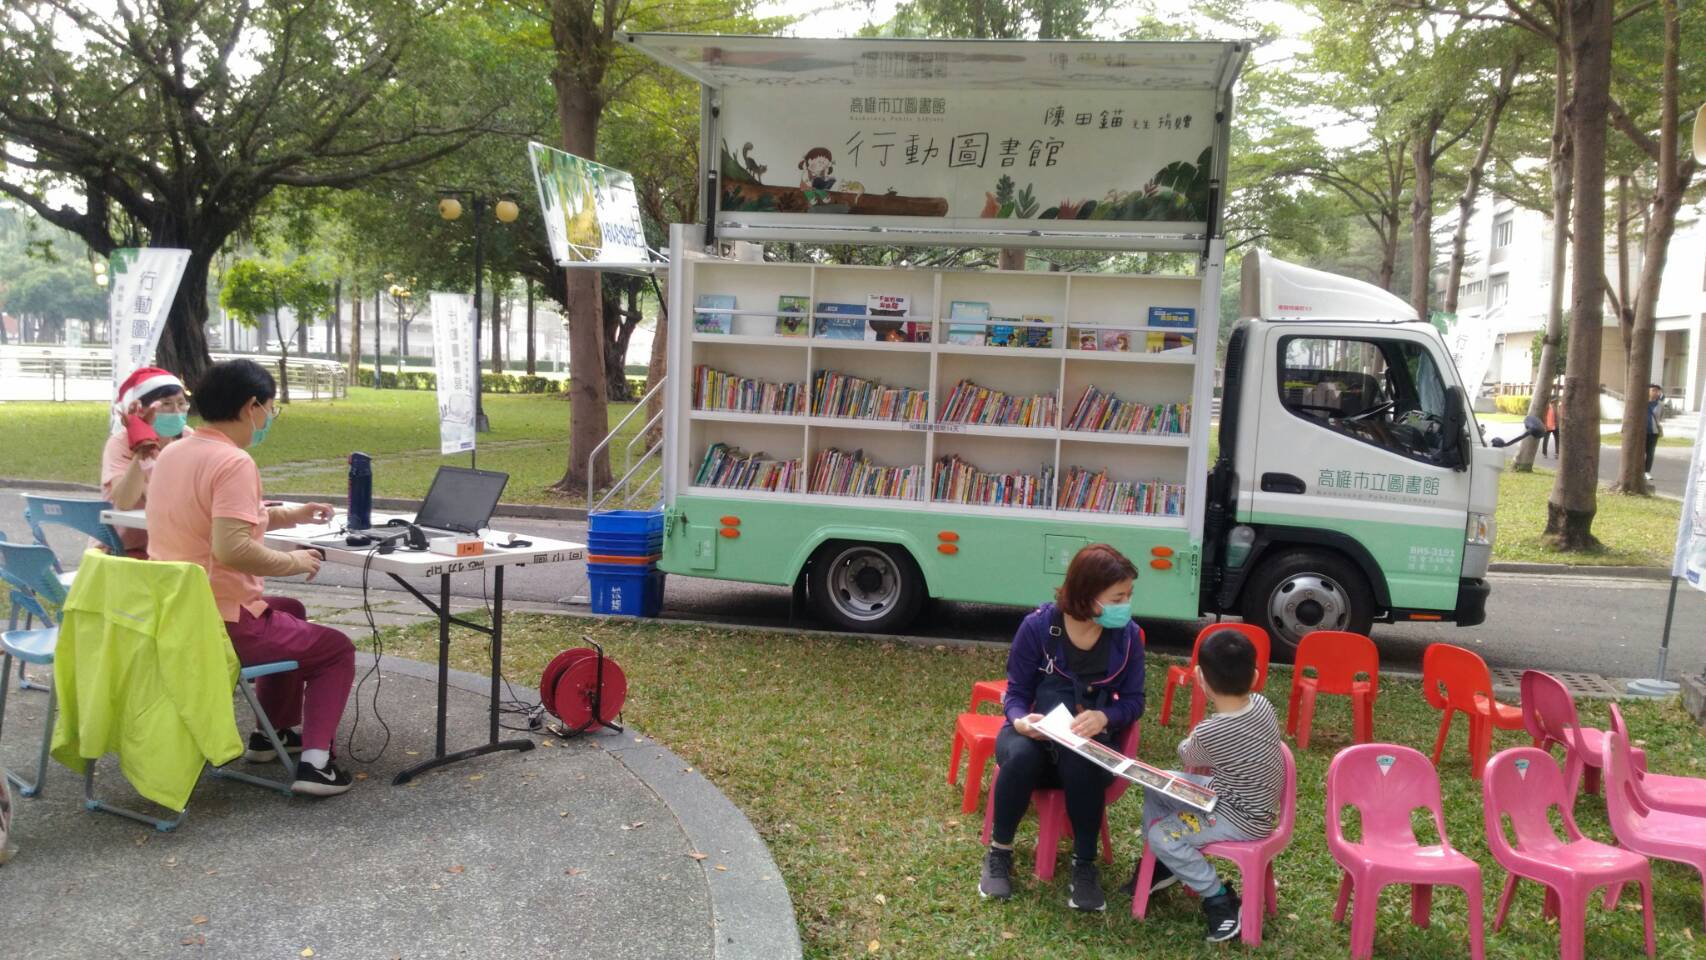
(1057,726)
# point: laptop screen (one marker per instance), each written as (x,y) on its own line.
(462,499)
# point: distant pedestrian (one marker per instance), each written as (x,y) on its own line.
(1549,439)
(1655,430)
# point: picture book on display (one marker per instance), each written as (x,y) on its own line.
(1157,342)
(1184,318)
(711,316)
(841,321)
(1113,341)
(897,330)
(791,315)
(1004,332)
(1039,331)
(966,320)
(1086,339)
(1057,726)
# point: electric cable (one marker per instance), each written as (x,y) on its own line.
(372,671)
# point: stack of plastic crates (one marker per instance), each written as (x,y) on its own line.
(623,547)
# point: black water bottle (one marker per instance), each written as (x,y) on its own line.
(360,491)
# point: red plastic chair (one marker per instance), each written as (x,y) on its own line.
(1678,837)
(1338,658)
(1524,784)
(987,691)
(1549,715)
(1050,803)
(1179,677)
(1455,680)
(1660,791)
(1254,858)
(1385,782)
(976,731)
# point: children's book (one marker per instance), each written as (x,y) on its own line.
(972,315)
(1113,341)
(710,318)
(1184,318)
(791,315)
(888,305)
(1057,726)
(1037,331)
(1087,340)
(1157,342)
(1003,332)
(840,321)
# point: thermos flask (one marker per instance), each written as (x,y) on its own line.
(360,491)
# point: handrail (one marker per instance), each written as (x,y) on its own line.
(592,458)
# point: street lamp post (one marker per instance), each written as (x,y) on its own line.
(450,208)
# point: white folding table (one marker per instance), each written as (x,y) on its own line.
(404,566)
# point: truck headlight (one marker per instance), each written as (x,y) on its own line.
(1479,532)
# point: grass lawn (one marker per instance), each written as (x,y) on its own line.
(304,453)
(836,749)
(1637,531)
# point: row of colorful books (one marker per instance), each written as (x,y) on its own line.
(957,481)
(1096,491)
(971,404)
(1102,411)
(839,473)
(887,317)
(731,469)
(1132,341)
(836,394)
(716,390)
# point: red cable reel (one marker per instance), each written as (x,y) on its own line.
(584,688)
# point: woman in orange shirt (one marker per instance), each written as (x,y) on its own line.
(154,408)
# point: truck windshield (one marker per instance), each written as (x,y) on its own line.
(1383,392)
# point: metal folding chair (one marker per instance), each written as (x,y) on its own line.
(76,513)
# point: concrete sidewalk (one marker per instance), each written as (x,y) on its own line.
(582,848)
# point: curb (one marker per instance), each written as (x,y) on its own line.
(1582,570)
(522,511)
(752,915)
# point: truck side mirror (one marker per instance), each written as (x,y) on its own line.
(1533,426)
(1456,448)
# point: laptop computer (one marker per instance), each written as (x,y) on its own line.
(460,500)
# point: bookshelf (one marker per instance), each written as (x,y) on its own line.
(993,462)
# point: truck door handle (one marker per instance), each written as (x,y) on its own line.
(1281,483)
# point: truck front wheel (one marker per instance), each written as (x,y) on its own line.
(866,587)
(1300,591)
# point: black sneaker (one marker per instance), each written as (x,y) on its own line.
(997,880)
(261,751)
(1221,913)
(1086,887)
(326,781)
(1160,879)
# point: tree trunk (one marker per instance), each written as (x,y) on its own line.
(1012,258)
(658,366)
(497,329)
(337,344)
(531,350)
(1472,181)
(620,323)
(379,340)
(183,343)
(1559,164)
(283,354)
(1422,219)
(1388,250)
(355,333)
(1571,507)
(301,337)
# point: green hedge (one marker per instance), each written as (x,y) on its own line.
(489,382)
(1514,403)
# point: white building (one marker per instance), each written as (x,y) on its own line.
(1507,284)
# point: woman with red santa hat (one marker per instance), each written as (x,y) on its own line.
(153,408)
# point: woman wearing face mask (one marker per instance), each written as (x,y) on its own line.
(1085,652)
(154,408)
(206,508)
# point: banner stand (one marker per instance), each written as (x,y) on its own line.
(1688,562)
(1657,685)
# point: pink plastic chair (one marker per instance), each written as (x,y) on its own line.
(1524,784)
(1658,790)
(1385,782)
(1338,658)
(1549,715)
(1678,837)
(1179,677)
(1455,680)
(1050,803)
(1254,858)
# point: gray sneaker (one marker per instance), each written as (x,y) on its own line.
(997,878)
(1086,887)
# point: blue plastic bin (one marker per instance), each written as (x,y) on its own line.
(626,522)
(609,546)
(625,591)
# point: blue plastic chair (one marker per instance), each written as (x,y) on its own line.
(77,513)
(29,570)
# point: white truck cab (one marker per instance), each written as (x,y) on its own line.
(1351,484)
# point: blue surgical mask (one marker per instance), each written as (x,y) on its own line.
(170,424)
(1114,616)
(260,434)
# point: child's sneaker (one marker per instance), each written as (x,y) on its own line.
(1086,887)
(1221,913)
(997,878)
(1160,879)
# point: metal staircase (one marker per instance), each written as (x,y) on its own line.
(625,486)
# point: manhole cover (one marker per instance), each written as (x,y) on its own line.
(1579,684)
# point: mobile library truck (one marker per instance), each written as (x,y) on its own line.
(878,436)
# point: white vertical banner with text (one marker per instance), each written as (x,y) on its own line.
(453,358)
(1690,559)
(144,282)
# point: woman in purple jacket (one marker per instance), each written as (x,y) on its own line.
(1083,651)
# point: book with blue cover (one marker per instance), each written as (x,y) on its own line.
(840,321)
(710,318)
(1004,333)
(1182,318)
(974,314)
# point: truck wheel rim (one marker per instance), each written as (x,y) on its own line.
(864,584)
(1307,602)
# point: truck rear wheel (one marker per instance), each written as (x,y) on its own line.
(866,587)
(1300,591)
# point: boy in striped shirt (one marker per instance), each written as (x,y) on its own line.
(1239,744)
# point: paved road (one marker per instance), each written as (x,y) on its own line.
(1670,464)
(1608,626)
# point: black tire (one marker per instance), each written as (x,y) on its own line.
(866,587)
(1296,591)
